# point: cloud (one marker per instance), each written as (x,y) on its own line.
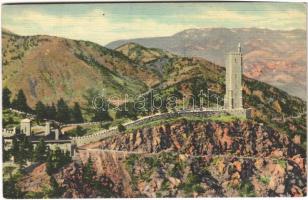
(221,14)
(271,19)
(90,26)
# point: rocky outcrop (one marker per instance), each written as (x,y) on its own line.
(36,180)
(71,180)
(189,159)
(220,176)
(207,138)
(204,159)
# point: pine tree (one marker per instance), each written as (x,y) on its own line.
(127,110)
(121,128)
(63,112)
(88,171)
(50,164)
(79,131)
(76,114)
(15,149)
(51,111)
(6,96)
(11,190)
(6,154)
(55,190)
(67,157)
(41,152)
(40,110)
(27,148)
(20,103)
(57,159)
(101,113)
(22,149)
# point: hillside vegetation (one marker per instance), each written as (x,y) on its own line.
(47,68)
(184,77)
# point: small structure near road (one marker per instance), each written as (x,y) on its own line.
(52,137)
(25,126)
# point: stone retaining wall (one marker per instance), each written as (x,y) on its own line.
(80,124)
(80,141)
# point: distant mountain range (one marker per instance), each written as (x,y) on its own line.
(272,56)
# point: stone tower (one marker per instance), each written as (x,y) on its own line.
(233,98)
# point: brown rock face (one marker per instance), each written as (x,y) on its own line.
(35,180)
(235,157)
(109,164)
(207,138)
(71,179)
(189,159)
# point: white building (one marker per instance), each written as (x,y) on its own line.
(25,126)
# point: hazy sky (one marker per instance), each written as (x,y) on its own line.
(134,20)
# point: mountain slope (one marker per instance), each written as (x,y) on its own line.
(185,77)
(272,56)
(47,68)
(141,54)
(171,68)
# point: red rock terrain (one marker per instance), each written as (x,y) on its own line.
(196,159)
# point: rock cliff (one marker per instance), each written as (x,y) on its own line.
(202,159)
(188,159)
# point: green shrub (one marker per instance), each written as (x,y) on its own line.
(152,161)
(79,131)
(264,179)
(121,128)
(165,185)
(130,162)
(246,189)
(192,184)
(282,163)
